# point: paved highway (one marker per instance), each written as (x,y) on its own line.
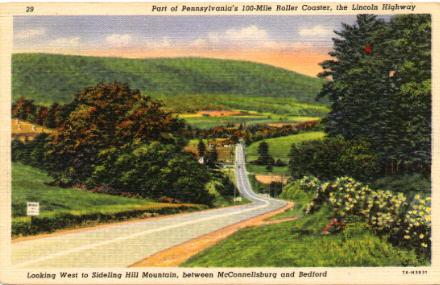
(122,245)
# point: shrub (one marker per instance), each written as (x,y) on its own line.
(333,157)
(51,221)
(408,183)
(416,227)
(279,162)
(407,223)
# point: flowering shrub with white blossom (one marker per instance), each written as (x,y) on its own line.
(407,222)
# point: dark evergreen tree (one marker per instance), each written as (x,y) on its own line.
(201,148)
(263,149)
(379,86)
(212,157)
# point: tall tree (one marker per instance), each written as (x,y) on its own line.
(109,115)
(263,149)
(24,109)
(41,117)
(201,148)
(410,47)
(379,87)
(212,157)
(357,79)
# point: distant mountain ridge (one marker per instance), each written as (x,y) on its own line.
(48,78)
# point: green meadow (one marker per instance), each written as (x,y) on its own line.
(269,106)
(279,147)
(252,118)
(75,207)
(30,184)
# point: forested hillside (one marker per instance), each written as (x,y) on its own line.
(48,78)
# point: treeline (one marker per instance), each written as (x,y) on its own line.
(56,114)
(115,138)
(250,133)
(50,117)
(380,92)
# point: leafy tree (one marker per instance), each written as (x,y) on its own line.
(333,157)
(52,120)
(37,151)
(153,170)
(24,109)
(107,116)
(410,147)
(275,188)
(41,117)
(32,152)
(17,150)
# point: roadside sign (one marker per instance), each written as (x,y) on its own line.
(33,208)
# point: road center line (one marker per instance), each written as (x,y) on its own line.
(243,185)
(135,235)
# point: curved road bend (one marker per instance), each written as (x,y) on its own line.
(124,244)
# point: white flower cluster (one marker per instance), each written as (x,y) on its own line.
(408,224)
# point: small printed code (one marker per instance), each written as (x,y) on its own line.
(414,272)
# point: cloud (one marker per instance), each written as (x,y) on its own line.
(199,43)
(119,39)
(29,33)
(249,37)
(234,37)
(213,37)
(250,33)
(65,42)
(316,31)
(164,42)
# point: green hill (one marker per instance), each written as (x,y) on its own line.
(47,78)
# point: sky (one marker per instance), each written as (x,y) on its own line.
(297,43)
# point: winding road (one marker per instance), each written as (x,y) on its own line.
(122,245)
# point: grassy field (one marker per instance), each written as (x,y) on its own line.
(280,147)
(270,105)
(252,118)
(261,169)
(68,208)
(47,78)
(28,184)
(299,243)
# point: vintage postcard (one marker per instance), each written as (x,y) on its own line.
(231,142)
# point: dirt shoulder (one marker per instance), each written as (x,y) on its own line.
(176,255)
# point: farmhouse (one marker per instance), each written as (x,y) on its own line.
(222,143)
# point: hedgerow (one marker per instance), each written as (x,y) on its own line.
(51,221)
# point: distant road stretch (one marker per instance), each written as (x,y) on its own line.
(122,245)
